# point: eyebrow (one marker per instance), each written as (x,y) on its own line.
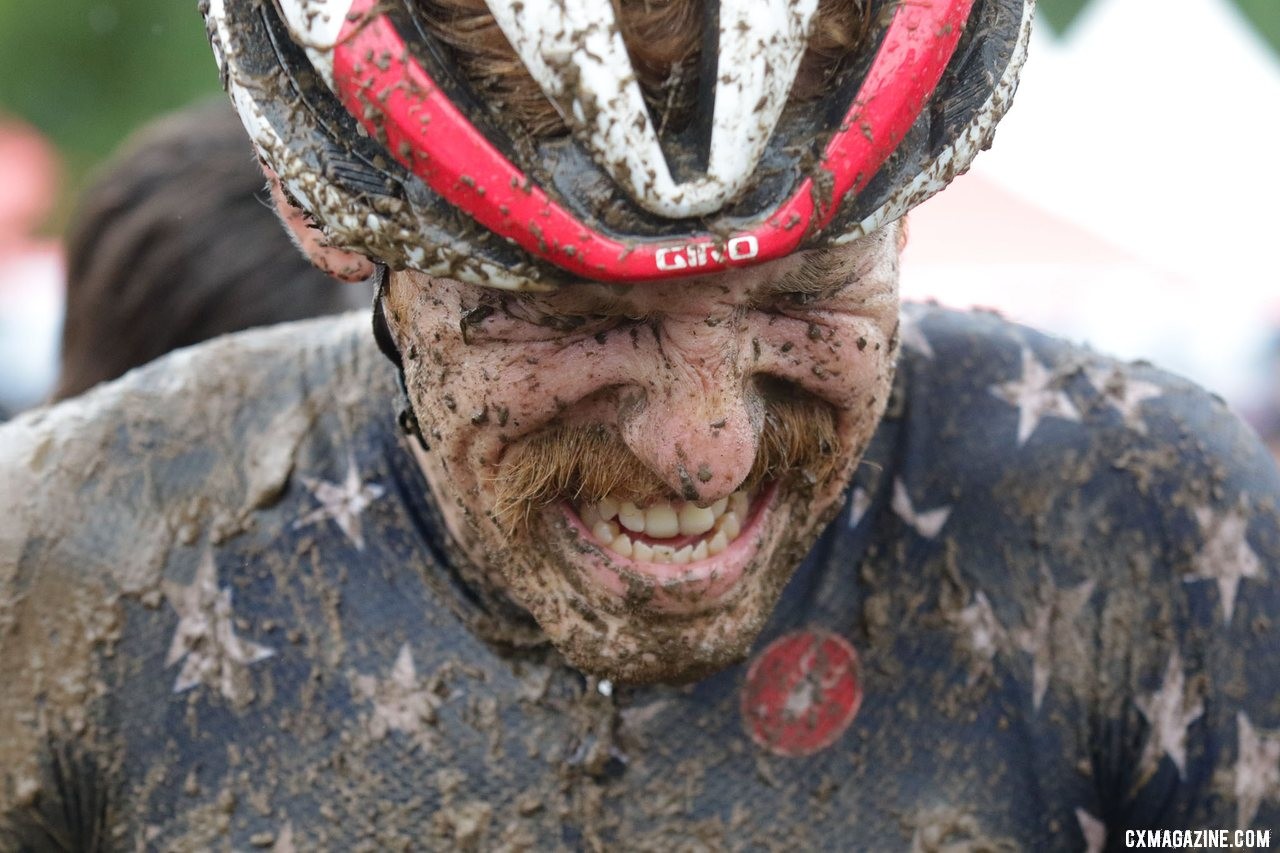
(582,299)
(820,274)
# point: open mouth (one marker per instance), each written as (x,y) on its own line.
(668,533)
(689,556)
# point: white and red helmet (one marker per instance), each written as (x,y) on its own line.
(379,137)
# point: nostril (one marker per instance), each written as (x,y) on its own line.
(631,402)
(775,389)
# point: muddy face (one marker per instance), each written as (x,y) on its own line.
(643,468)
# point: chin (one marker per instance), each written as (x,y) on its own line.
(670,593)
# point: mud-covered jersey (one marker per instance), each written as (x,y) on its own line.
(228,621)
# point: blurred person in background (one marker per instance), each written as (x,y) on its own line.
(30,266)
(176,242)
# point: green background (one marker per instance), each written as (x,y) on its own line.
(87,72)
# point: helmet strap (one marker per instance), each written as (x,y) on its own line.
(407,418)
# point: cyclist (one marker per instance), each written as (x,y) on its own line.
(685,538)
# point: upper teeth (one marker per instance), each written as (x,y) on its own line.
(609,522)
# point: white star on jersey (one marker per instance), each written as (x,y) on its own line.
(859,503)
(401,702)
(984,630)
(206,637)
(1226,556)
(1053,624)
(1168,712)
(341,502)
(1125,394)
(1257,769)
(928,523)
(981,633)
(1093,830)
(284,841)
(1037,395)
(910,335)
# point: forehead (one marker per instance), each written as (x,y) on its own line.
(813,272)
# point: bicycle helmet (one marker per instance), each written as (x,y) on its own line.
(363,110)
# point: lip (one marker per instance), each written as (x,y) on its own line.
(676,589)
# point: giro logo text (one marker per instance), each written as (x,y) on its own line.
(694,255)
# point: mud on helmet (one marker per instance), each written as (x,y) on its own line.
(378,135)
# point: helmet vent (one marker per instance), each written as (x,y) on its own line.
(574,49)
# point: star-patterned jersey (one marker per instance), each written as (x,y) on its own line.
(228,621)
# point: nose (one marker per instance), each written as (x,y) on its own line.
(697,424)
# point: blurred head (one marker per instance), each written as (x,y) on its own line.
(29,173)
(643,261)
(176,242)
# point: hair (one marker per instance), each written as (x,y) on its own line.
(799,434)
(664,40)
(176,242)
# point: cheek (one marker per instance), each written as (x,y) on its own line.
(479,398)
(450,396)
(845,359)
(544,380)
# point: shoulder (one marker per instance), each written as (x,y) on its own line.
(202,435)
(100,492)
(1063,470)
(995,399)
(1119,527)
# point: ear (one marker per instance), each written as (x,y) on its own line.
(396,303)
(342,265)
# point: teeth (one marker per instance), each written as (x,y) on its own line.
(665,520)
(631,518)
(661,522)
(605,531)
(718,543)
(664,554)
(695,521)
(610,522)
(729,525)
(608,509)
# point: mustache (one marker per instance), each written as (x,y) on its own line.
(586,463)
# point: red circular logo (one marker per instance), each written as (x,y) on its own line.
(801,692)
